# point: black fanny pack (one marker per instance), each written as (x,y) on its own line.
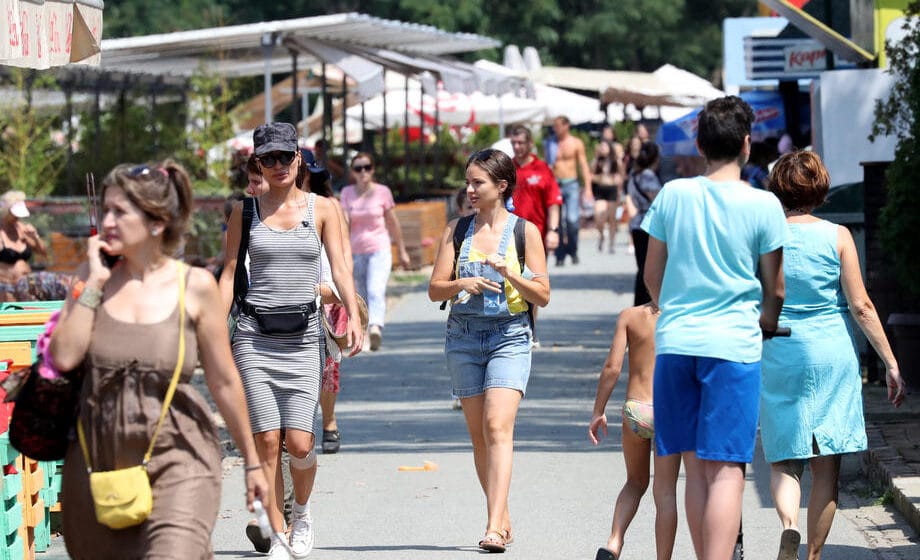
(287,319)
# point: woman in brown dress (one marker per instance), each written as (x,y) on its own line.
(122,324)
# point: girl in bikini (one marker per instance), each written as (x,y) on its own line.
(635,333)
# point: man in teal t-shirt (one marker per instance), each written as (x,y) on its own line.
(709,236)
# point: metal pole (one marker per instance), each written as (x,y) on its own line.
(68,108)
(296,106)
(421,139)
(406,135)
(155,145)
(268,46)
(345,127)
(364,146)
(386,132)
(324,94)
(438,153)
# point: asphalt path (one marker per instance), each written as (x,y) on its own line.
(395,410)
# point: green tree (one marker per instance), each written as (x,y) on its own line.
(129,18)
(899,115)
(31,157)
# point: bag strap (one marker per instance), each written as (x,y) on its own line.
(519,247)
(170,392)
(240,278)
(463,224)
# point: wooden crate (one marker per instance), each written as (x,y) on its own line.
(422,225)
(66,252)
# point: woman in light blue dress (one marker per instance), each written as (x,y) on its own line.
(811,387)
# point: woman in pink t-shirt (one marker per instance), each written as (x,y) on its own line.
(372,221)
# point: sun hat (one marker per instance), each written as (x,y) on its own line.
(274,137)
(15,203)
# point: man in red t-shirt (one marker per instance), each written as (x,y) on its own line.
(536,197)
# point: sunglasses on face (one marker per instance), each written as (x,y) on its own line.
(269,160)
(362,168)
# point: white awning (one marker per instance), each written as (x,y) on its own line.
(237,50)
(835,42)
(45,33)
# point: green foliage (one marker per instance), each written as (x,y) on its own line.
(31,159)
(207,159)
(898,115)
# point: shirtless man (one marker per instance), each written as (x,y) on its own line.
(635,335)
(570,159)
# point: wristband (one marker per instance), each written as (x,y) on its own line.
(77,289)
(90,297)
(251,468)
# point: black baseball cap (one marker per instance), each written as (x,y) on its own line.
(274,137)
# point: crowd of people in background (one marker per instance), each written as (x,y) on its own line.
(724,259)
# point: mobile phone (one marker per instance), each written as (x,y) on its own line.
(107,259)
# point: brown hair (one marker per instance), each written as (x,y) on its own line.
(498,166)
(162,191)
(252,166)
(364,155)
(521,129)
(800,181)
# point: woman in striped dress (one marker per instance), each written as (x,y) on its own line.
(282,372)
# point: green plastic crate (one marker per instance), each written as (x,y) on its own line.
(21,305)
(22,333)
(12,548)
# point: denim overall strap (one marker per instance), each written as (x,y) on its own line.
(507,233)
(467,242)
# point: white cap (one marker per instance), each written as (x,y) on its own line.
(19,210)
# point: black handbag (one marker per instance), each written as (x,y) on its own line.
(287,319)
(45,413)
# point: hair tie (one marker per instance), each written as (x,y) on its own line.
(163,171)
(509,204)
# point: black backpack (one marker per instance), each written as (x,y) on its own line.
(240,277)
(463,224)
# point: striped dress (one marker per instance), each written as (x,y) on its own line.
(282,373)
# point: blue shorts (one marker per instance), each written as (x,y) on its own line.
(487,352)
(706,405)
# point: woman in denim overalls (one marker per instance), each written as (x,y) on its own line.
(488,331)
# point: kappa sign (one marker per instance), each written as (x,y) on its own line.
(805,59)
(46,33)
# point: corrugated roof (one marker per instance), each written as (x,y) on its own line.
(237,50)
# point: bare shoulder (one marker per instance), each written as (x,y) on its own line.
(200,280)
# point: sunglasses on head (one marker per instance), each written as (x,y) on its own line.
(269,160)
(362,168)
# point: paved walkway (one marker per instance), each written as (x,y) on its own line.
(395,410)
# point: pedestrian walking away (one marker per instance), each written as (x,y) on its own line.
(139,328)
(635,333)
(279,342)
(811,409)
(569,163)
(488,343)
(642,187)
(536,196)
(372,220)
(714,267)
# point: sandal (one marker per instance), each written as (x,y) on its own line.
(509,538)
(789,545)
(331,441)
(493,542)
(604,554)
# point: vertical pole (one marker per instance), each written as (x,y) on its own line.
(345,127)
(439,152)
(268,45)
(97,120)
(155,144)
(406,135)
(325,98)
(68,109)
(386,132)
(295,105)
(421,139)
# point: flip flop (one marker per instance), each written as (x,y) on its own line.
(493,542)
(789,545)
(509,538)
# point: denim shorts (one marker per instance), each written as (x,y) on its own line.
(487,353)
(706,405)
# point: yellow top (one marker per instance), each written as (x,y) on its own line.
(516,303)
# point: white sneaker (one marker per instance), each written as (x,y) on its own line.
(278,552)
(301,539)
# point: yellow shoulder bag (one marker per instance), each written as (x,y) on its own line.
(123,497)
